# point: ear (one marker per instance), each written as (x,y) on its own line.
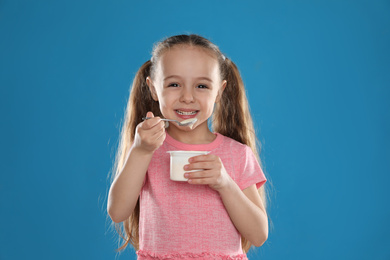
(220,91)
(151,88)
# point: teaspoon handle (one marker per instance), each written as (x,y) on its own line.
(163,119)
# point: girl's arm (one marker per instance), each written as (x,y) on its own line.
(244,207)
(126,187)
(247,212)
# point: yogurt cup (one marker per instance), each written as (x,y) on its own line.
(177,162)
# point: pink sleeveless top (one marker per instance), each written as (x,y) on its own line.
(183,221)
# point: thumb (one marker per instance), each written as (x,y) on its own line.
(149,114)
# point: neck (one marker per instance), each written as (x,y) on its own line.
(199,135)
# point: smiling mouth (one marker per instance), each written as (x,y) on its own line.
(186,113)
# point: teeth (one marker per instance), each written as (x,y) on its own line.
(186,113)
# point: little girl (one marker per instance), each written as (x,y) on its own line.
(220,211)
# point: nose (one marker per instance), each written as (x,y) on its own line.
(187,95)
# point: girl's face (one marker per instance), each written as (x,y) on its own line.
(187,84)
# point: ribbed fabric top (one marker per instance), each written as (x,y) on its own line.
(183,221)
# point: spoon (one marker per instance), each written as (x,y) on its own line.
(186,122)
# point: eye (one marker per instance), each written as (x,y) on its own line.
(173,85)
(202,86)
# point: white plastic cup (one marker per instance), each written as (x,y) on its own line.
(178,160)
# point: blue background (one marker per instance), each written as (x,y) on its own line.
(317,75)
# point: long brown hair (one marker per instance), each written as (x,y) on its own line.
(231,118)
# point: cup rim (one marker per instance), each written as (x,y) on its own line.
(185,152)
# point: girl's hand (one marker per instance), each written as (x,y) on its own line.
(211,172)
(149,134)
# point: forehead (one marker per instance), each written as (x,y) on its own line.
(188,61)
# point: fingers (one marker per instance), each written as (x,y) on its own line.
(205,157)
(212,178)
(202,162)
(199,174)
(150,134)
(159,134)
(204,165)
(149,114)
(209,170)
(151,122)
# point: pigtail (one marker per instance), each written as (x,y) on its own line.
(140,100)
(232,118)
(139,103)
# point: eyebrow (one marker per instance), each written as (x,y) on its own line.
(176,76)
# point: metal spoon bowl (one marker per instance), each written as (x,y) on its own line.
(186,122)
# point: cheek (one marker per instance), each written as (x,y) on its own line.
(213,97)
(166,97)
(166,100)
(160,93)
(209,104)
